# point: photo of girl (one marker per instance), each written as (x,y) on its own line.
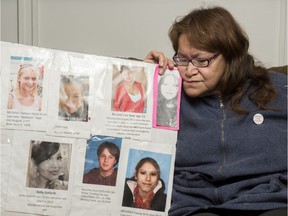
(130,92)
(24,96)
(146,182)
(49,165)
(167,99)
(72,103)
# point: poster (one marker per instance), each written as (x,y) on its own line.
(81,140)
(75,79)
(40,179)
(126,104)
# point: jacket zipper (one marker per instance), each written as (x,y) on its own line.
(222,107)
(222,146)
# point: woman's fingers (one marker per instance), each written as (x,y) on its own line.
(156,57)
(159,58)
(56,184)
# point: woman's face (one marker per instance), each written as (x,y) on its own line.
(128,75)
(147,177)
(199,81)
(169,87)
(51,168)
(27,80)
(106,161)
(74,97)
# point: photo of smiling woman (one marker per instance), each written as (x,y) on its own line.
(145,189)
(24,95)
(49,165)
(72,98)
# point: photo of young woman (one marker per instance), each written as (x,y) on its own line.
(147,180)
(24,96)
(167,98)
(130,92)
(72,103)
(48,165)
(145,189)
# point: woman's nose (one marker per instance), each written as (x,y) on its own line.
(69,100)
(191,70)
(148,177)
(30,81)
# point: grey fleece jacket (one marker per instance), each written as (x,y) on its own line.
(227,161)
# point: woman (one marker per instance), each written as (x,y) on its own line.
(73,106)
(167,100)
(129,95)
(25,97)
(108,156)
(145,189)
(231,156)
(47,158)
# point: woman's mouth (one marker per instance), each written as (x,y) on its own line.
(147,184)
(191,82)
(54,172)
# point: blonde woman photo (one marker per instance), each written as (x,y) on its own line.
(25,95)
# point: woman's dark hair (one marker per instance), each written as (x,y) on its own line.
(71,80)
(43,151)
(124,67)
(161,99)
(111,147)
(148,160)
(215,30)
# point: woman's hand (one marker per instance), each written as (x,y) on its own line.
(157,57)
(58,185)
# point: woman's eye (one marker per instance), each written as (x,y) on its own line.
(142,173)
(201,60)
(59,158)
(153,174)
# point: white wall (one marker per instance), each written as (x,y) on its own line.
(9,27)
(130,28)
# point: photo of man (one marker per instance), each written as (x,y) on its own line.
(107,156)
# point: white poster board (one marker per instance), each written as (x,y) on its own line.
(88,147)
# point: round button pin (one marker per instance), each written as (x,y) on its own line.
(258,119)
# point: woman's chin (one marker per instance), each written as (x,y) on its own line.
(70,111)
